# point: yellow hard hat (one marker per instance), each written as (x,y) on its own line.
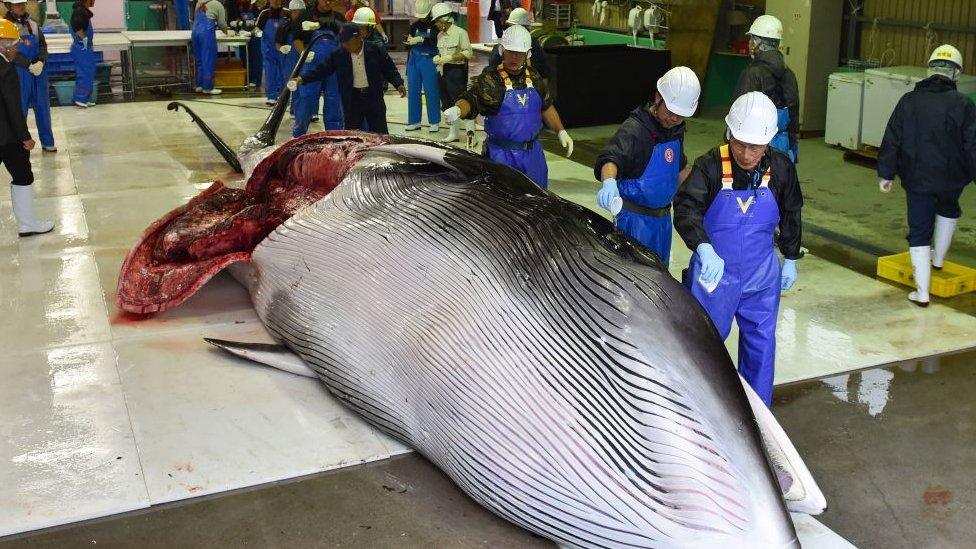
(8,30)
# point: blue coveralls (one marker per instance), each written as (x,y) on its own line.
(33,89)
(254,63)
(422,77)
(646,214)
(182,14)
(741,227)
(274,60)
(307,96)
(204,41)
(84,59)
(781,141)
(513,132)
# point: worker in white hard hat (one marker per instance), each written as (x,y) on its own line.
(30,60)
(644,162)
(318,27)
(421,42)
(369,23)
(453,53)
(516,104)
(740,201)
(537,55)
(769,74)
(930,144)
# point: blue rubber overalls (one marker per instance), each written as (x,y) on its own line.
(33,89)
(84,58)
(307,96)
(204,41)
(288,66)
(741,227)
(646,214)
(781,141)
(422,77)
(254,62)
(182,14)
(274,60)
(513,132)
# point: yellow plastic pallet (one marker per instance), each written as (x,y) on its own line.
(954,279)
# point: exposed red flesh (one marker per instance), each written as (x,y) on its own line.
(184,249)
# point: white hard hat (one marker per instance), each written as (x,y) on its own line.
(519,17)
(364,16)
(752,119)
(296,5)
(767,26)
(680,89)
(16,1)
(441,9)
(421,9)
(947,52)
(516,38)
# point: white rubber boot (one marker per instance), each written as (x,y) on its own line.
(942,239)
(452,135)
(922,270)
(412,127)
(22,198)
(434,128)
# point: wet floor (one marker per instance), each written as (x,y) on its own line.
(892,449)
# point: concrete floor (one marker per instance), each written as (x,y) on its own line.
(111,416)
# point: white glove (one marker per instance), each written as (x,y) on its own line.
(230,32)
(286,49)
(235,24)
(441,59)
(566,141)
(36,68)
(259,33)
(451,115)
(292,84)
(885,185)
(414,40)
(310,26)
(311,55)
(244,34)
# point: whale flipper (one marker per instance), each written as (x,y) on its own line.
(276,356)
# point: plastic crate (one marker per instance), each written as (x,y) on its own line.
(65,90)
(954,279)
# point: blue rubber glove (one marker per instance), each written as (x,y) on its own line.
(607,193)
(788,276)
(712,266)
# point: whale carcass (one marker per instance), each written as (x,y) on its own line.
(549,365)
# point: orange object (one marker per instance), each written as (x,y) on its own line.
(527,5)
(474,23)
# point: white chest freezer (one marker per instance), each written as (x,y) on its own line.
(882,90)
(845,98)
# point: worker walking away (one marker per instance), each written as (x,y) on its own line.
(769,74)
(321,20)
(209,17)
(270,20)
(82,52)
(453,53)
(644,162)
(515,103)
(537,56)
(740,200)
(361,69)
(421,72)
(30,59)
(930,143)
(15,140)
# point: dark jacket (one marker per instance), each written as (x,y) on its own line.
(930,141)
(286,35)
(769,74)
(537,58)
(273,13)
(424,25)
(705,181)
(13,123)
(80,17)
(35,31)
(631,147)
(379,69)
(486,94)
(330,20)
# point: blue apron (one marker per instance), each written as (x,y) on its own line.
(274,60)
(422,78)
(204,40)
(33,89)
(255,57)
(513,132)
(781,141)
(646,216)
(741,226)
(307,96)
(84,58)
(182,14)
